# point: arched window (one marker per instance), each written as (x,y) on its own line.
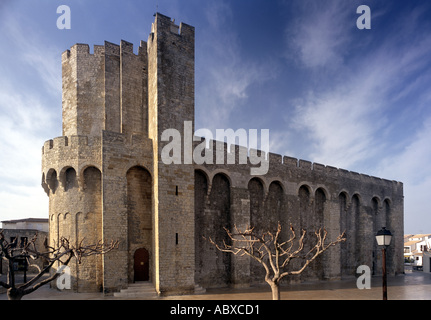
(51,180)
(319,208)
(256,195)
(304,195)
(70,179)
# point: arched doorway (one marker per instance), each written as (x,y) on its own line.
(141,265)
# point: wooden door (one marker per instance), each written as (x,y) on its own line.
(141,265)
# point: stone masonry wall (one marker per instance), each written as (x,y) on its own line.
(106,179)
(305,195)
(171,102)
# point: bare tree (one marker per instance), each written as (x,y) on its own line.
(273,253)
(62,253)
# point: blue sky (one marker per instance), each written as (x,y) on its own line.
(328,92)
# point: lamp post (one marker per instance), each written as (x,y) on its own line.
(383,238)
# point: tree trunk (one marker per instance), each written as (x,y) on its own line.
(14,294)
(275,288)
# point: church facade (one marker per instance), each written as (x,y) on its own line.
(106,180)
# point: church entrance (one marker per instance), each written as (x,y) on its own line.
(141,265)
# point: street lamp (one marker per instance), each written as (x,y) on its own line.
(384,238)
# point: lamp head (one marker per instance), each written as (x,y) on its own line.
(383,237)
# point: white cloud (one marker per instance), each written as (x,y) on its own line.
(318,35)
(348,119)
(362,119)
(22,120)
(226,75)
(411,166)
(29,49)
(32,79)
(340,126)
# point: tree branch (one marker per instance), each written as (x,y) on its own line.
(279,254)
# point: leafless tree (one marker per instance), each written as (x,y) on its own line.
(273,253)
(62,253)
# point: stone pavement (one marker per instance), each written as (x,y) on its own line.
(414,285)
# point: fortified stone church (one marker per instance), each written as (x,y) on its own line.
(106,181)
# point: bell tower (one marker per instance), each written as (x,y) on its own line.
(170,104)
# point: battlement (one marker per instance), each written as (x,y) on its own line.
(65,143)
(233,156)
(104,90)
(165,24)
(53,145)
(83,50)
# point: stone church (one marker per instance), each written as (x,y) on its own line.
(106,180)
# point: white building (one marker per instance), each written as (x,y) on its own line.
(23,230)
(414,248)
(38,224)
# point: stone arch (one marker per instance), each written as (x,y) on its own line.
(139,214)
(320,197)
(375,203)
(357,197)
(68,178)
(387,201)
(343,198)
(279,182)
(343,209)
(65,226)
(217,265)
(218,172)
(378,214)
(256,194)
(202,227)
(44,184)
(305,213)
(258,219)
(84,167)
(275,206)
(52,180)
(257,180)
(127,168)
(303,186)
(92,187)
(324,190)
(92,178)
(315,223)
(205,172)
(354,231)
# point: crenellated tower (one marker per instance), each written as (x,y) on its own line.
(106,180)
(170,104)
(104,177)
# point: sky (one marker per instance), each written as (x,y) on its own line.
(357,99)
